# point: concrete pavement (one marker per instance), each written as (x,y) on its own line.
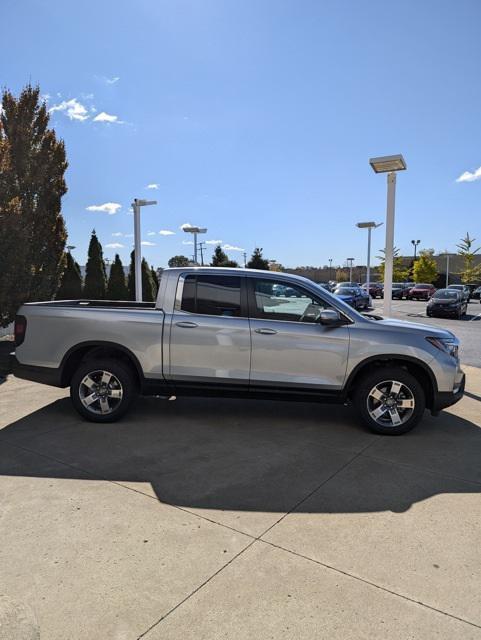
(236,519)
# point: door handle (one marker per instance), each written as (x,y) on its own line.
(267,332)
(186,325)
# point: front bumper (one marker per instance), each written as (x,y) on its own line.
(443,313)
(443,399)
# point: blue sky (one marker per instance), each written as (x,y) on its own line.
(256,119)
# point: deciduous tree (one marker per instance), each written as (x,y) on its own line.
(32,228)
(178,261)
(425,269)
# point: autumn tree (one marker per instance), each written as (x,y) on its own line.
(425,269)
(32,183)
(257,261)
(71,281)
(470,272)
(117,287)
(95,274)
(399,271)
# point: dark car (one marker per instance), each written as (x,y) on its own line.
(376,289)
(400,290)
(476,295)
(463,289)
(354,296)
(421,292)
(447,303)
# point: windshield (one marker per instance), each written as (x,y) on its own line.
(345,291)
(446,294)
(456,286)
(423,286)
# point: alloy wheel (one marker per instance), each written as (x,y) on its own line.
(100,392)
(390,403)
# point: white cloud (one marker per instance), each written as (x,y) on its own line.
(469,176)
(147,243)
(129,235)
(118,234)
(152,185)
(166,232)
(73,109)
(107,117)
(229,247)
(151,233)
(186,225)
(214,241)
(107,207)
(115,245)
(112,80)
(187,242)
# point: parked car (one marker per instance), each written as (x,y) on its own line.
(375,289)
(356,297)
(463,289)
(448,302)
(421,292)
(225,331)
(476,295)
(400,290)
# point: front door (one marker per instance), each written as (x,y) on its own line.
(290,349)
(209,336)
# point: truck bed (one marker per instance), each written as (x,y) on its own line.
(100,304)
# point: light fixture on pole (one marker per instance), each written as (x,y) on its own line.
(195,231)
(447,268)
(70,247)
(350,260)
(136,204)
(389,165)
(415,245)
(369,226)
(330,268)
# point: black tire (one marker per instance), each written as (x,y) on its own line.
(122,381)
(411,389)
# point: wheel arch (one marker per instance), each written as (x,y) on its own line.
(417,368)
(101,349)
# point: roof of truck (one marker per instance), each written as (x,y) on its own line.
(238,271)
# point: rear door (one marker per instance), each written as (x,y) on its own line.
(210,338)
(290,349)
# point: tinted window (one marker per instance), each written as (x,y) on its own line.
(212,295)
(447,294)
(277,301)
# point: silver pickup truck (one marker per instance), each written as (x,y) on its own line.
(238,332)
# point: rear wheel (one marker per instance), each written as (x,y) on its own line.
(390,400)
(102,390)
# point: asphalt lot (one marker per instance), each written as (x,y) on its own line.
(214,518)
(468,329)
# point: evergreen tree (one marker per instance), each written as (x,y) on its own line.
(95,276)
(219,257)
(155,280)
(116,287)
(257,261)
(71,282)
(32,229)
(148,286)
(470,272)
(424,269)
(178,261)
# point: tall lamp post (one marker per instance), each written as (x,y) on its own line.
(330,268)
(136,204)
(415,245)
(369,226)
(389,165)
(350,260)
(447,268)
(195,231)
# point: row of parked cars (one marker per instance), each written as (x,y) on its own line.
(451,301)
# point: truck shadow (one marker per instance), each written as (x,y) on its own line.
(249,455)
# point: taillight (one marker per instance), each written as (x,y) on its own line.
(20,329)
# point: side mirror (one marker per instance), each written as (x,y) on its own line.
(330,317)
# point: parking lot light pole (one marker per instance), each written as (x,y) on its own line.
(447,268)
(350,260)
(389,165)
(195,231)
(136,204)
(369,226)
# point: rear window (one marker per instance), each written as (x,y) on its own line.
(212,295)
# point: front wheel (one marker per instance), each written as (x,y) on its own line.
(390,400)
(102,390)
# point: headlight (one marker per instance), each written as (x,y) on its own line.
(448,345)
